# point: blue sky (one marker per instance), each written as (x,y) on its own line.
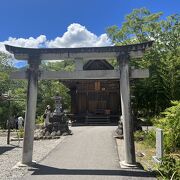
(68,23)
(25,18)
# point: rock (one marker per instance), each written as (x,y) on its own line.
(43,132)
(36,131)
(41,137)
(39,126)
(58,133)
(139,154)
(38,134)
(36,138)
(65,134)
(53,133)
(47,134)
(70,132)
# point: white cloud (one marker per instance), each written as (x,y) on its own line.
(78,36)
(21,42)
(75,36)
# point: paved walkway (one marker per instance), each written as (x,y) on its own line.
(90,154)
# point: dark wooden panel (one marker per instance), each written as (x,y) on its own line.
(82,102)
(97,101)
(114,103)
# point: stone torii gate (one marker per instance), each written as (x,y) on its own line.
(34,56)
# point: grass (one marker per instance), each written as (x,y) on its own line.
(149,165)
(146,161)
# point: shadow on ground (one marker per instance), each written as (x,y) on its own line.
(47,170)
(4,149)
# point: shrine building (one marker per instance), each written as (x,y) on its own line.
(94,101)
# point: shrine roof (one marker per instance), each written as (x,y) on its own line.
(108,52)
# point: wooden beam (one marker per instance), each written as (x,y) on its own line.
(80,75)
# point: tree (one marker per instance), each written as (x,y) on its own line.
(18,89)
(154,94)
(14,87)
(48,88)
(137,27)
(4,86)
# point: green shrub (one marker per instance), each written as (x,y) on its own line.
(150,138)
(139,136)
(169,168)
(40,120)
(20,133)
(147,138)
(170,123)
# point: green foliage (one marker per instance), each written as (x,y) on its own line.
(169,168)
(19,95)
(147,138)
(40,119)
(5,68)
(48,88)
(58,65)
(139,135)
(18,89)
(4,112)
(153,95)
(150,138)
(170,123)
(136,28)
(20,133)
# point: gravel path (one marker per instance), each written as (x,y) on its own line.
(11,154)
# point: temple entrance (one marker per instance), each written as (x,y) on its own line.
(89,102)
(94,101)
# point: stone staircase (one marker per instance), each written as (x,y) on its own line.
(97,120)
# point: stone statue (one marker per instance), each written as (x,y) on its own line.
(56,122)
(119,130)
(58,104)
(47,115)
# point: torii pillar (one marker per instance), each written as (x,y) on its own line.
(32,75)
(129,159)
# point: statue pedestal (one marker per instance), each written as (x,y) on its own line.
(58,125)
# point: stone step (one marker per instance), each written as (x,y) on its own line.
(97,121)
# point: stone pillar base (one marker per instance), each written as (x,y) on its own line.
(125,165)
(21,165)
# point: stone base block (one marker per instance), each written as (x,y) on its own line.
(21,165)
(125,165)
(156,159)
